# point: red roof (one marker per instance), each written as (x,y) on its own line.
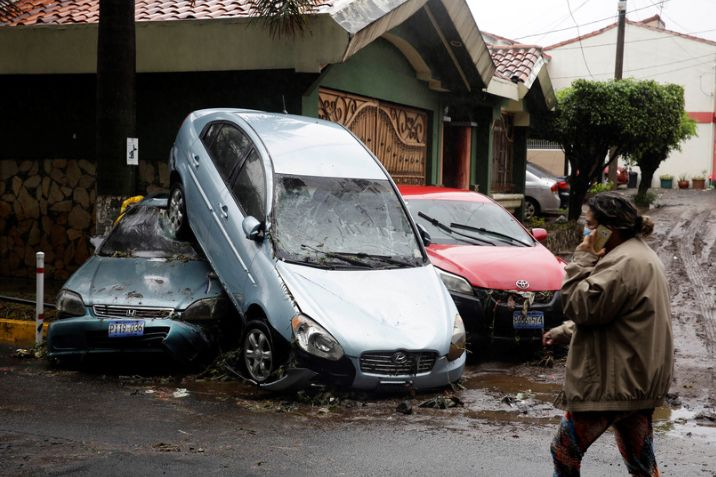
(515,60)
(642,24)
(63,12)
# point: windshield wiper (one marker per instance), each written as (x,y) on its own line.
(447,229)
(351,258)
(384,258)
(497,235)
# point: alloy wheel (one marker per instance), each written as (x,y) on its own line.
(258,354)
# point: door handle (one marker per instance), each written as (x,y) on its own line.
(224,210)
(195,160)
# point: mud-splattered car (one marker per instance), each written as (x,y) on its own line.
(142,291)
(504,282)
(314,246)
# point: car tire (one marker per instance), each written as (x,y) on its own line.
(531,208)
(176,212)
(260,355)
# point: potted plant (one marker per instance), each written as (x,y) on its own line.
(699,182)
(683,182)
(667,181)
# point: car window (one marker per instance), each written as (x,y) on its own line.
(486,215)
(142,232)
(228,149)
(249,187)
(539,172)
(319,219)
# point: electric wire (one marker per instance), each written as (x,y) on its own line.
(584,57)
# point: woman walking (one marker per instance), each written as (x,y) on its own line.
(620,357)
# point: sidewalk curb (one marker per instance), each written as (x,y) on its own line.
(19,332)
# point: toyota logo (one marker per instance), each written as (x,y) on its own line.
(522,284)
(399,358)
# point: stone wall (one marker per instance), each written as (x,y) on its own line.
(50,206)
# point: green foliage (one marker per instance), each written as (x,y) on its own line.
(598,187)
(646,199)
(536,223)
(666,177)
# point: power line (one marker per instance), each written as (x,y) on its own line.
(651,66)
(653,38)
(583,24)
(584,57)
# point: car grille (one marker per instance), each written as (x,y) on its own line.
(131,312)
(397,363)
(152,338)
(503,296)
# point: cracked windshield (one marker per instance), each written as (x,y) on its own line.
(479,223)
(330,222)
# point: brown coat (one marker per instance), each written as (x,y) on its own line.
(621,349)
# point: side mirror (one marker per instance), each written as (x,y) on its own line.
(253,229)
(539,234)
(424,235)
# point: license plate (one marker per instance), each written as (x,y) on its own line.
(122,328)
(533,320)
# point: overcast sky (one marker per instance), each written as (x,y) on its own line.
(529,20)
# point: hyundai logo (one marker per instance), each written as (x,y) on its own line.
(399,358)
(522,284)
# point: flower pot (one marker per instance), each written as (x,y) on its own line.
(698,183)
(667,183)
(683,184)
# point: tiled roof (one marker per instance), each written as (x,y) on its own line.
(63,12)
(643,24)
(516,61)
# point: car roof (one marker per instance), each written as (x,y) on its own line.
(309,146)
(441,193)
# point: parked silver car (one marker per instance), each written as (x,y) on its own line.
(544,192)
(315,247)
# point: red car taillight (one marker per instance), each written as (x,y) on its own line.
(562,185)
(554,187)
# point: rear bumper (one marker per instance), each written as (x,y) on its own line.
(89,335)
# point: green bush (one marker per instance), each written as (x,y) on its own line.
(598,187)
(645,200)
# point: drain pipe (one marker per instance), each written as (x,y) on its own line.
(40,299)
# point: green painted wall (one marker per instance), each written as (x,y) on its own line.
(381,71)
(482,152)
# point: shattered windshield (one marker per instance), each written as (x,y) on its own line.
(467,222)
(142,232)
(337,222)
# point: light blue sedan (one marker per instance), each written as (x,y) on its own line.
(313,244)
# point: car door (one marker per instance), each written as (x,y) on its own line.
(241,192)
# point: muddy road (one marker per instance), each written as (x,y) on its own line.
(129,418)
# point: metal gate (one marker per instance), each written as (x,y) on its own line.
(502,139)
(396,134)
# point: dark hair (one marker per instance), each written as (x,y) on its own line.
(618,213)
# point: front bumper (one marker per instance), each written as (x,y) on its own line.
(490,316)
(87,334)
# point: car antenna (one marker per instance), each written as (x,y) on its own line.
(283,100)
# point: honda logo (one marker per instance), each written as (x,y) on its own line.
(130,313)
(522,284)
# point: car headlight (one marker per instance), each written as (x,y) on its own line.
(314,339)
(205,309)
(69,304)
(457,343)
(454,283)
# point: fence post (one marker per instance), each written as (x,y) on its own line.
(40,298)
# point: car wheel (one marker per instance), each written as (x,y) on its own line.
(260,358)
(176,212)
(531,209)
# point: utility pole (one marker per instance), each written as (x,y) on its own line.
(618,67)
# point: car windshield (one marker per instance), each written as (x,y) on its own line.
(539,172)
(142,232)
(342,223)
(468,222)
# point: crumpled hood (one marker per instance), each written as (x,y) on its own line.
(375,310)
(142,282)
(500,267)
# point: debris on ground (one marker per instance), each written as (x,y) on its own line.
(673,400)
(164,447)
(405,407)
(442,402)
(180,393)
(23,353)
(706,416)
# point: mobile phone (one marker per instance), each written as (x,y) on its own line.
(601,237)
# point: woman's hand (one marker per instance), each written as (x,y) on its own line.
(587,244)
(547,339)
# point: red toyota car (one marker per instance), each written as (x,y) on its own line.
(502,279)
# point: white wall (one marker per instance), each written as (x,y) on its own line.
(657,55)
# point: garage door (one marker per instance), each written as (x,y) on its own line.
(396,134)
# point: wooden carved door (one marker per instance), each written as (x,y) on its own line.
(397,135)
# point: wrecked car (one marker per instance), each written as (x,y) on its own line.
(142,291)
(310,239)
(504,282)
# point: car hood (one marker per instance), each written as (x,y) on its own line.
(375,310)
(500,267)
(146,282)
